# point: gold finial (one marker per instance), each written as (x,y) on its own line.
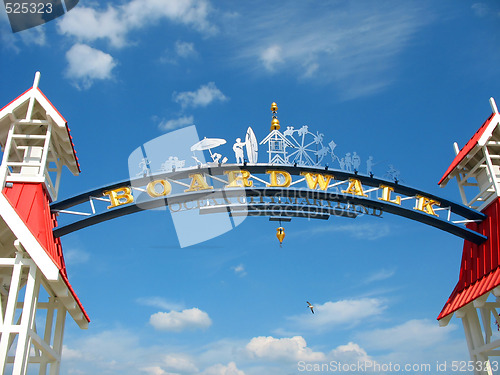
(275,124)
(280,233)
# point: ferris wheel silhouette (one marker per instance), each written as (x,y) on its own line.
(308,147)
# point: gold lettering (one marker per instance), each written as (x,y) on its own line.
(315,179)
(355,188)
(166,188)
(386,195)
(119,196)
(425,205)
(198,182)
(238,178)
(286,179)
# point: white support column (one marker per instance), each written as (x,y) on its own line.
(7,327)
(3,167)
(27,322)
(58,337)
(473,334)
(491,171)
(46,147)
(47,336)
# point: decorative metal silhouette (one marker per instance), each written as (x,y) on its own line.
(369,165)
(252,146)
(392,173)
(280,233)
(309,149)
(277,142)
(238,151)
(145,169)
(208,144)
(348,162)
(172,163)
(356,161)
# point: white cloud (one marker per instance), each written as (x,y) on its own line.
(418,340)
(87,64)
(115,22)
(7,38)
(484,10)
(411,335)
(367,231)
(70,354)
(34,35)
(175,123)
(345,313)
(380,275)
(76,256)
(239,270)
(271,56)
(159,302)
(185,49)
(480,9)
(154,370)
(351,46)
(350,352)
(182,50)
(202,97)
(88,25)
(220,369)
(180,362)
(124,352)
(180,320)
(284,349)
(115,351)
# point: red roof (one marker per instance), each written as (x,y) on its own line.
(67,129)
(70,138)
(467,148)
(31,203)
(480,267)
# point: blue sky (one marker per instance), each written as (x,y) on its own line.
(397,80)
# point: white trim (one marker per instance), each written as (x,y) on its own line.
(488,132)
(26,238)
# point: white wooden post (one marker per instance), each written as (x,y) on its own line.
(8,324)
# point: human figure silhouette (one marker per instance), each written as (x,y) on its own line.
(348,162)
(238,150)
(369,165)
(356,161)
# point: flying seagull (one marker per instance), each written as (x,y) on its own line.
(310,306)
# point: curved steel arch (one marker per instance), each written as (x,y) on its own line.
(276,205)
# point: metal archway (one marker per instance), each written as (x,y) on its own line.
(266,190)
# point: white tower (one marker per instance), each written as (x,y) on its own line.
(476,297)
(35,292)
(277,142)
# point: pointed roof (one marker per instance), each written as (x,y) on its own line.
(42,109)
(478,140)
(278,134)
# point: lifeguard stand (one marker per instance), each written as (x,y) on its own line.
(476,296)
(34,286)
(276,141)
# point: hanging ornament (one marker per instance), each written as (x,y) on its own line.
(280,233)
